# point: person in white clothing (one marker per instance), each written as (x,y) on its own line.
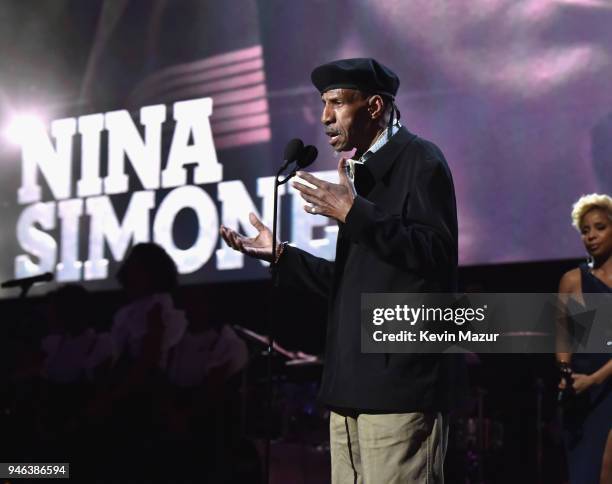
(73,351)
(144,331)
(149,277)
(76,362)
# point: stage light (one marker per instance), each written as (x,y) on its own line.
(21,126)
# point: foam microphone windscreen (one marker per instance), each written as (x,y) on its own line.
(293,149)
(307,156)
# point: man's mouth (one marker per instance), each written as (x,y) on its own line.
(334,136)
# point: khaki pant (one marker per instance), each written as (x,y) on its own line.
(388,448)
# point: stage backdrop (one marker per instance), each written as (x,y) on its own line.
(148,120)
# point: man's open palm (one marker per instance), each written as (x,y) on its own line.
(259,246)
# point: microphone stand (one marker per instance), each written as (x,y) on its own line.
(277,183)
(24,318)
(24,291)
(270,350)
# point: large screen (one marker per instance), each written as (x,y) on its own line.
(133,121)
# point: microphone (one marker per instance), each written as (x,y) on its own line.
(28,281)
(292,151)
(307,156)
(566,374)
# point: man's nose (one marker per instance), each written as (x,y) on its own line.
(327,116)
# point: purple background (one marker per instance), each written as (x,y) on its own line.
(517,94)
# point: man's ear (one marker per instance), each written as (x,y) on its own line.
(376,106)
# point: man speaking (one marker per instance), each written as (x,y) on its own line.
(395,207)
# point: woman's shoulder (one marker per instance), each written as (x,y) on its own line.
(571,281)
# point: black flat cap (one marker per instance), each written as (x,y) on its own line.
(367,75)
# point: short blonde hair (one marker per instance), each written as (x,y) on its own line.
(589,202)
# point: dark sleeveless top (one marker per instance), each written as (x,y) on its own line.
(590,283)
(588,363)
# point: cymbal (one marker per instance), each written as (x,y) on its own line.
(316,361)
(525,333)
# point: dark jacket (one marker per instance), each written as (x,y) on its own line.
(400,236)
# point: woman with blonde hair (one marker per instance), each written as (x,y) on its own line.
(587,418)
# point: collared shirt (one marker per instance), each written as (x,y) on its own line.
(378,144)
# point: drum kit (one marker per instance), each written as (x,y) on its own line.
(296,415)
(295,422)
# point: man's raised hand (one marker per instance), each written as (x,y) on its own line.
(330,199)
(259,246)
